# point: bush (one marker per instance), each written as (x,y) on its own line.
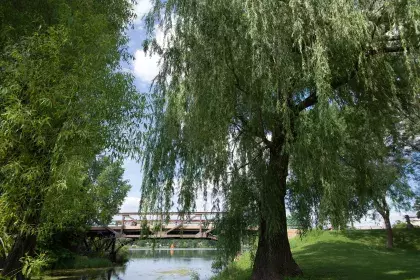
(123,255)
(399,224)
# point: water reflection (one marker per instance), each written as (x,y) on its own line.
(174,264)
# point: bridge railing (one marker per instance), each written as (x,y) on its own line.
(167,223)
(128,218)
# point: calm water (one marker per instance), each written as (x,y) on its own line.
(160,264)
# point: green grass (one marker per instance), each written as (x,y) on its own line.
(348,255)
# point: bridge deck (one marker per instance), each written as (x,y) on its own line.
(197,225)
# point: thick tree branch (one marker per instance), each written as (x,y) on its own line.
(384,50)
(312,99)
(262,129)
(309,101)
(257,132)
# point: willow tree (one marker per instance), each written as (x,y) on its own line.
(63,100)
(250,92)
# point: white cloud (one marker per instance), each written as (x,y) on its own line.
(146,67)
(141,8)
(131,204)
(160,36)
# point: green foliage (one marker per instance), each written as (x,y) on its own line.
(239,270)
(178,243)
(5,244)
(356,254)
(293,221)
(109,188)
(400,225)
(253,92)
(100,194)
(33,266)
(64,99)
(195,276)
(389,179)
(103,192)
(123,255)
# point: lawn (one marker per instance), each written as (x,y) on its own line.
(356,254)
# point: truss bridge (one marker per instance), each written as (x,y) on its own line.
(174,225)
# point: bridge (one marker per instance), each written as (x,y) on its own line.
(173,225)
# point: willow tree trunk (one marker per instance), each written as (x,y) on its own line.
(24,244)
(274,260)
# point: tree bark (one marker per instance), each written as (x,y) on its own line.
(389,233)
(383,209)
(273,260)
(24,244)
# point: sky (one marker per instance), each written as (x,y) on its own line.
(145,68)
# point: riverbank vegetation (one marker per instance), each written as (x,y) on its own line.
(176,243)
(353,254)
(70,247)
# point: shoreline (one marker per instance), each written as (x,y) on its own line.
(171,249)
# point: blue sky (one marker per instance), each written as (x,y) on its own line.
(145,68)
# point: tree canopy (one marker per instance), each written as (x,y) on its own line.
(63,101)
(252,95)
(99,197)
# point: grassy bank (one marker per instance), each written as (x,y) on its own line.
(349,255)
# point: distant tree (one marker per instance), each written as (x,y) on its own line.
(399,225)
(109,189)
(416,206)
(63,100)
(293,221)
(390,189)
(251,93)
(387,169)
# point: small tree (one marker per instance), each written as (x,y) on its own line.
(390,183)
(416,206)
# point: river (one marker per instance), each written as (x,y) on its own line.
(162,264)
